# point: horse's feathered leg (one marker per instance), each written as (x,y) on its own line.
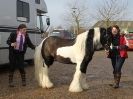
(83,69)
(41,69)
(75,85)
(46,83)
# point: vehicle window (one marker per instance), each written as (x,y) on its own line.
(23,11)
(62,33)
(40,22)
(37,1)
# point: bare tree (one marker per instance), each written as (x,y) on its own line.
(76,15)
(111,10)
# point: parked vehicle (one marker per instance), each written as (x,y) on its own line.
(15,12)
(62,33)
(130,40)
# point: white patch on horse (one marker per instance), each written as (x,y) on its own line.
(71,51)
(96,40)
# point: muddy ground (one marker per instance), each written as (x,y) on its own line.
(99,76)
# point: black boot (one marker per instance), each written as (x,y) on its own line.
(11,80)
(23,76)
(117,80)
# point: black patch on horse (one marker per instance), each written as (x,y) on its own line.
(89,51)
(48,59)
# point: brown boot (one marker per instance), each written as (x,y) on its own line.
(23,76)
(117,81)
(11,80)
(114,80)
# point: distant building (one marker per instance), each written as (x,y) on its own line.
(125,26)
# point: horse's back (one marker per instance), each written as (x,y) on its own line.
(52,43)
(59,41)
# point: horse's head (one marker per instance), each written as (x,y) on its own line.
(105,37)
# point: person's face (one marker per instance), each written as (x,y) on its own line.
(23,30)
(114,31)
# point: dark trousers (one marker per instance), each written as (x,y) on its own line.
(117,63)
(16,59)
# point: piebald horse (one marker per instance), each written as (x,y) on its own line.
(79,51)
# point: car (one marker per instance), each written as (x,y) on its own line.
(129,38)
(65,34)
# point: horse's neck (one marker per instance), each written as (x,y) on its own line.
(96,39)
(81,40)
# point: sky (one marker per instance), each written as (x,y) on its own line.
(57,8)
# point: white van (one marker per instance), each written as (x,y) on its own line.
(15,12)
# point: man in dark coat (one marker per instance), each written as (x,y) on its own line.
(18,42)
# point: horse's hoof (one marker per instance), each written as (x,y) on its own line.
(50,85)
(47,86)
(85,86)
(75,89)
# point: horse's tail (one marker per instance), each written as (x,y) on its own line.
(39,61)
(41,72)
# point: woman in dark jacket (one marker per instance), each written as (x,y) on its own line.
(117,53)
(18,42)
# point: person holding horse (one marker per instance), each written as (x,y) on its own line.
(117,53)
(18,42)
